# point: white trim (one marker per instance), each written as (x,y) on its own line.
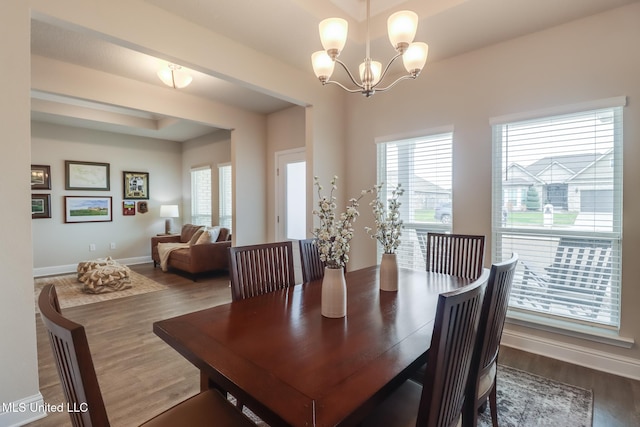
(571,329)
(22,412)
(279,207)
(200,168)
(72,268)
(616,101)
(407,136)
(577,355)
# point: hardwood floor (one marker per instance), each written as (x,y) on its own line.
(141,376)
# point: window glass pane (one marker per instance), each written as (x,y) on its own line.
(225,196)
(296,197)
(557,197)
(201,196)
(423,166)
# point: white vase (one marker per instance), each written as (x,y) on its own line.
(334,293)
(388,273)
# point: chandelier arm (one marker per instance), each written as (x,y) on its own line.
(384,73)
(359,90)
(350,75)
(405,77)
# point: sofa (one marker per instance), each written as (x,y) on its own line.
(195,253)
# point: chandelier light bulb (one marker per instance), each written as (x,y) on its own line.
(402,27)
(333,34)
(415,57)
(322,65)
(376,72)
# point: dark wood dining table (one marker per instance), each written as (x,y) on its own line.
(292,366)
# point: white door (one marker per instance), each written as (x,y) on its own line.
(291,196)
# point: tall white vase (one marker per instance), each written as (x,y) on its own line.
(334,293)
(388,273)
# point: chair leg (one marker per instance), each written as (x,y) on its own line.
(493,404)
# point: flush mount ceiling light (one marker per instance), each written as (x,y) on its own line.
(401,27)
(173,75)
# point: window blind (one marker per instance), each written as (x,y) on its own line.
(201,196)
(557,202)
(423,166)
(225,196)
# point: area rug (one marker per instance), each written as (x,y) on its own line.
(527,400)
(70,293)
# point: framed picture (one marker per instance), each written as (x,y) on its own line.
(143,207)
(136,185)
(40,206)
(86,175)
(40,177)
(87,209)
(128,208)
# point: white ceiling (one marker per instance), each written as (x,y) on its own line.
(286,30)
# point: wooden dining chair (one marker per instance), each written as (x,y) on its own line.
(460,255)
(482,378)
(439,402)
(312,266)
(259,269)
(80,382)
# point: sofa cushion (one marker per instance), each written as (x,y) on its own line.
(225,234)
(188,230)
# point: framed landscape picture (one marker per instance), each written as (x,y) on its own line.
(40,206)
(86,175)
(128,207)
(40,177)
(87,209)
(136,185)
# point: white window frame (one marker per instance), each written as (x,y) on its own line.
(411,251)
(576,325)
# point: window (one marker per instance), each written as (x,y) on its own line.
(225,196)
(423,167)
(201,196)
(557,202)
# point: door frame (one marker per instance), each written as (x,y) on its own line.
(294,155)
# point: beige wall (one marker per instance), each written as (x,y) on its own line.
(285,131)
(209,150)
(52,145)
(577,62)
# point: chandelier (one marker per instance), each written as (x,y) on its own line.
(401,27)
(174,76)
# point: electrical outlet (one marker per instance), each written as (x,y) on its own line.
(112,245)
(92,246)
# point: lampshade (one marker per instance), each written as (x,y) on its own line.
(169,211)
(376,70)
(322,64)
(402,28)
(415,57)
(333,33)
(174,76)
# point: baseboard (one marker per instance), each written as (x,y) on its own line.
(72,268)
(582,356)
(22,411)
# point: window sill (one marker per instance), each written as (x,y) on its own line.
(586,332)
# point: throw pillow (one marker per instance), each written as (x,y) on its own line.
(196,236)
(210,235)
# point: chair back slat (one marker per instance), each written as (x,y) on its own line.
(449,357)
(259,269)
(460,255)
(73,361)
(312,266)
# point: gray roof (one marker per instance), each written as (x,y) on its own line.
(574,162)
